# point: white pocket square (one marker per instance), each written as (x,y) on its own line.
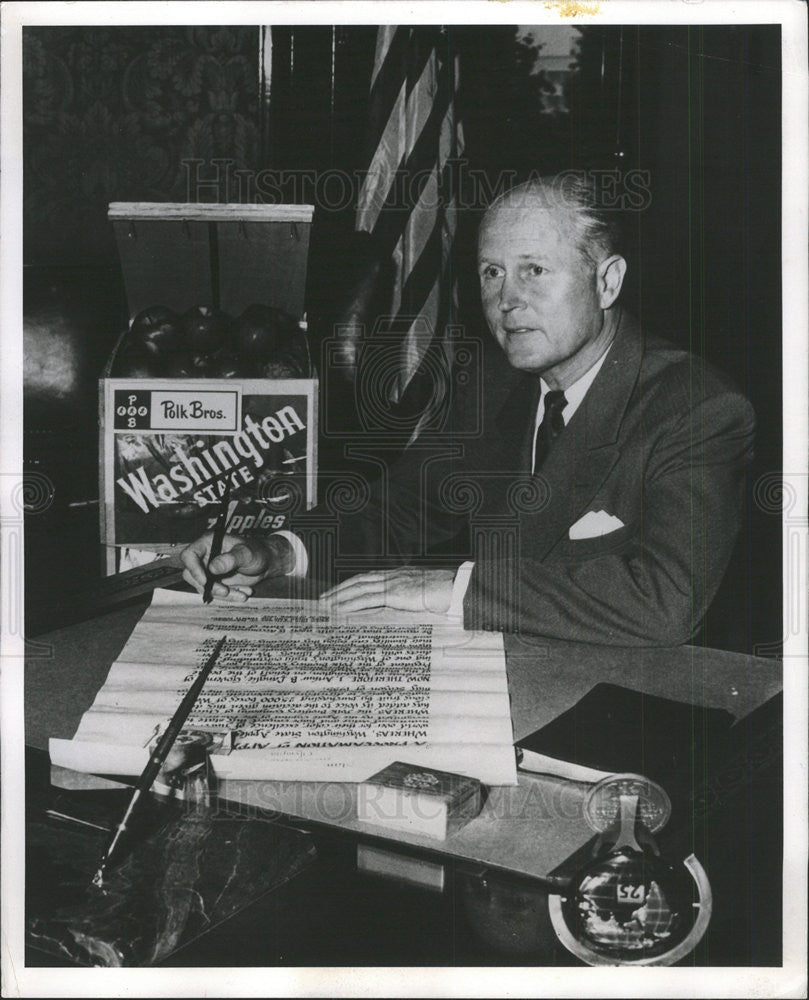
(593,524)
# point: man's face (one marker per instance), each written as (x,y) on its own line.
(539,294)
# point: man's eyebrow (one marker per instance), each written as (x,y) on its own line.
(523,256)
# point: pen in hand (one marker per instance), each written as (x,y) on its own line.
(216,542)
(158,757)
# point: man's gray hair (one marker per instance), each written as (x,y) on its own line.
(599,231)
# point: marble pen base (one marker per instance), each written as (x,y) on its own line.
(192,865)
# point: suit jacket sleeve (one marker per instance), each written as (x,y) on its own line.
(650,584)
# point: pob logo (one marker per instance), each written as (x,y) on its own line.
(132,410)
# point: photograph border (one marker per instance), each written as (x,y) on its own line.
(790,979)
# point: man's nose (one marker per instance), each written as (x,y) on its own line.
(512,293)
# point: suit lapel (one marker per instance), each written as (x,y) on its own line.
(515,423)
(605,404)
(587,450)
(572,473)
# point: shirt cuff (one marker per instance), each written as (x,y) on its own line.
(459,587)
(301,564)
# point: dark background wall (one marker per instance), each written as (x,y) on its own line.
(112,114)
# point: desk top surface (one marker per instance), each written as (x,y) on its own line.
(529,829)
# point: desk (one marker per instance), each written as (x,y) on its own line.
(530,830)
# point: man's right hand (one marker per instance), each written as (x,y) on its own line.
(240,565)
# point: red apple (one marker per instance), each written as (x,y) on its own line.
(226,366)
(290,360)
(180,365)
(206,330)
(201,365)
(157,330)
(135,361)
(260,330)
(281,369)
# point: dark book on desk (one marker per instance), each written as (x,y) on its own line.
(613,729)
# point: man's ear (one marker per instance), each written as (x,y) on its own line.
(609,278)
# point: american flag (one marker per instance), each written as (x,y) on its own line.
(408,199)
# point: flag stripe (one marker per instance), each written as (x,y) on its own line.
(389,79)
(409,180)
(421,52)
(397,69)
(408,201)
(384,39)
(436,198)
(421,334)
(428,226)
(398,141)
(423,272)
(382,170)
(388,76)
(421,223)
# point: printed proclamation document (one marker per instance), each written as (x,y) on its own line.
(300,694)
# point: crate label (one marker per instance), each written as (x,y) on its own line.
(188,410)
(168,447)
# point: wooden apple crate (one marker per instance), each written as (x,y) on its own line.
(224,255)
(227,256)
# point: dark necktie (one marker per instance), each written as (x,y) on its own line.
(551,427)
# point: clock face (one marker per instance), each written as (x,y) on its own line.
(602,808)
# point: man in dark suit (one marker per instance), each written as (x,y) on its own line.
(610,488)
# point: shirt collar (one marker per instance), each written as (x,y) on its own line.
(575,393)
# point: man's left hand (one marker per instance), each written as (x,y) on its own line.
(406,589)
